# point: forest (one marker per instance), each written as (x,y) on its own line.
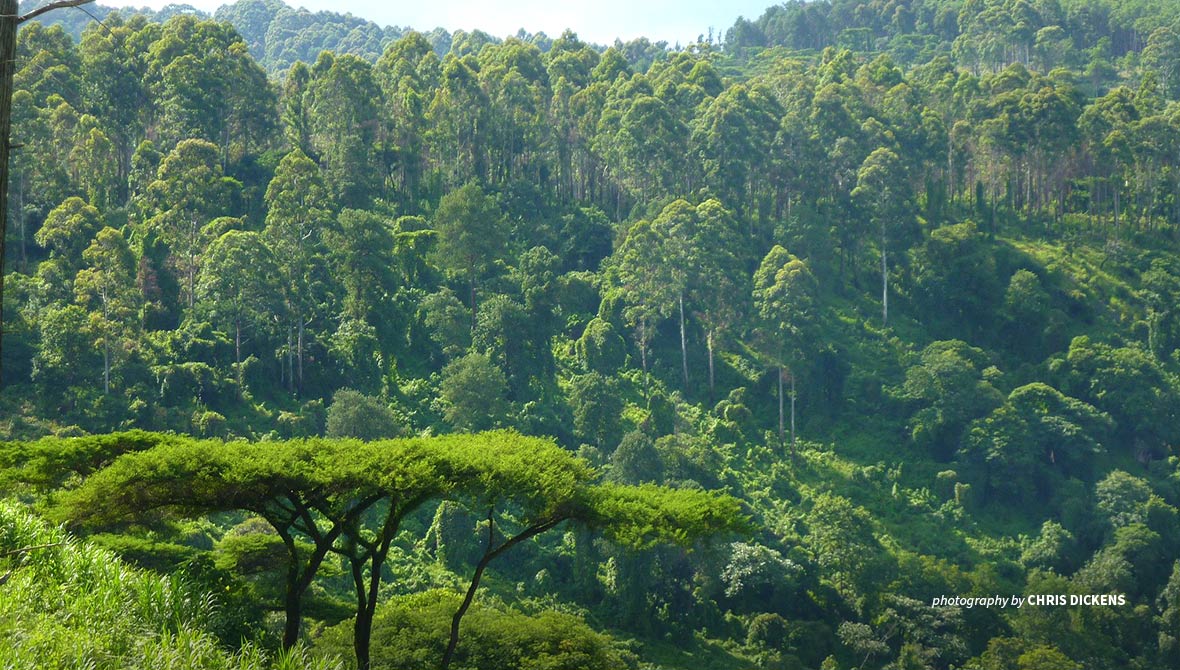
(332,345)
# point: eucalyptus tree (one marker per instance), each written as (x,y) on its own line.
(68,230)
(471,240)
(189,191)
(299,211)
(883,191)
(644,282)
(785,301)
(341,104)
(239,281)
(106,285)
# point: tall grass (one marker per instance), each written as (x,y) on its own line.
(77,606)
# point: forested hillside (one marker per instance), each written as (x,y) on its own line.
(903,277)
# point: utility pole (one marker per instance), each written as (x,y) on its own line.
(9,20)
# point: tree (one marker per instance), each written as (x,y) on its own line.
(353,414)
(107,285)
(471,240)
(1129,384)
(716,286)
(298,213)
(785,303)
(646,283)
(68,229)
(474,391)
(189,192)
(544,486)
(312,490)
(883,190)
(597,405)
(1168,606)
(1038,431)
(283,485)
(840,536)
(239,281)
(950,384)
(341,104)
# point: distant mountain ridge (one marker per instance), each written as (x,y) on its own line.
(276,33)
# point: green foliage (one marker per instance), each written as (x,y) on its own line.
(474,392)
(465,229)
(597,404)
(73,604)
(410,631)
(1038,434)
(950,386)
(353,414)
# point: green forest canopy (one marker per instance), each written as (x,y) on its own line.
(938,238)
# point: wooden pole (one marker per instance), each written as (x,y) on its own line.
(8,21)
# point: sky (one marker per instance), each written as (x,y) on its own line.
(674,21)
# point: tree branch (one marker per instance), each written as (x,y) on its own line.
(60,4)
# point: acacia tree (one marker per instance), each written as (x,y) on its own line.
(309,490)
(527,486)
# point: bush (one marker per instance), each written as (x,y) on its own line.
(411,632)
(353,414)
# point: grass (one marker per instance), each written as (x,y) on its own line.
(75,605)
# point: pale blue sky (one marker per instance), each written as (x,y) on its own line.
(602,21)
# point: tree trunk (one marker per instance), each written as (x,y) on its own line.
(106,367)
(290,358)
(238,351)
(366,596)
(643,351)
(473,314)
(293,598)
(192,262)
(362,629)
(1116,206)
(709,345)
(884,282)
(792,414)
(683,346)
(299,356)
(490,553)
(780,404)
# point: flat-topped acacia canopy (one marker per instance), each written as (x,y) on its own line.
(320,489)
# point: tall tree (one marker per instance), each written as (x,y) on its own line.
(298,213)
(240,282)
(785,302)
(190,190)
(471,240)
(341,104)
(883,191)
(107,286)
